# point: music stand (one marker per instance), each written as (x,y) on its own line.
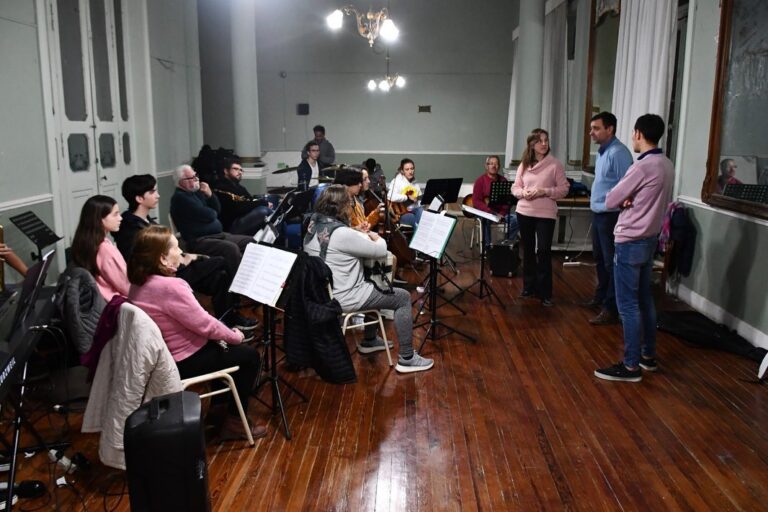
(486,289)
(501,194)
(36,230)
(266,276)
(447,188)
(431,238)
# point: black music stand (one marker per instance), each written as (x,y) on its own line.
(244,284)
(431,238)
(36,230)
(486,290)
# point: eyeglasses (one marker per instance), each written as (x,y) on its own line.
(314,150)
(193,177)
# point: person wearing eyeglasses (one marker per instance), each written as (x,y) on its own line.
(309,167)
(195,211)
(327,154)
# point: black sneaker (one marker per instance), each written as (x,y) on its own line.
(240,322)
(547,303)
(527,294)
(619,372)
(650,365)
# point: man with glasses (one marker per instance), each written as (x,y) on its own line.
(195,212)
(241,213)
(327,154)
(309,168)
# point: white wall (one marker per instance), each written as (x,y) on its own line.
(455,56)
(23,147)
(175,72)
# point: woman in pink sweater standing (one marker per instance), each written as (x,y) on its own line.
(191,333)
(539,183)
(95,252)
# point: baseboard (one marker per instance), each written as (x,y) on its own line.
(711,310)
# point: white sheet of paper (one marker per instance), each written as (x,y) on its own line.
(435,205)
(433,233)
(480,213)
(262,273)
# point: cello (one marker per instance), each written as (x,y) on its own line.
(379,215)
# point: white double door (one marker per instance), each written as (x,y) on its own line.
(91,108)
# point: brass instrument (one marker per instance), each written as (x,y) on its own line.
(235,197)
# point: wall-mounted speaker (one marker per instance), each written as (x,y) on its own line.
(302,109)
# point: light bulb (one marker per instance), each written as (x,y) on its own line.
(335,20)
(371,85)
(389,31)
(400,82)
(384,85)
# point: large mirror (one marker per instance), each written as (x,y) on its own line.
(737,160)
(601,65)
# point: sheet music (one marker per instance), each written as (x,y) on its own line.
(436,203)
(433,234)
(262,273)
(480,213)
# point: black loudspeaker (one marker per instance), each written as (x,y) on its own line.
(165,455)
(302,109)
(504,259)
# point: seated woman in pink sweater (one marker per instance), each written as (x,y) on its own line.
(186,327)
(92,250)
(539,183)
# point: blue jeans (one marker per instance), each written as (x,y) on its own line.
(602,251)
(633,264)
(413,217)
(512,229)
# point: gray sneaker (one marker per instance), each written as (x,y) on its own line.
(414,364)
(370,346)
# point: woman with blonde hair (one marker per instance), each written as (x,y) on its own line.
(192,335)
(539,183)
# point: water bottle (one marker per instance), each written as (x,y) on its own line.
(62,461)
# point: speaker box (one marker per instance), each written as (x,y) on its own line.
(504,259)
(302,109)
(165,455)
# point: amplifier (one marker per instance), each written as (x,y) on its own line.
(165,455)
(504,259)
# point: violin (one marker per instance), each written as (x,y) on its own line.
(387,219)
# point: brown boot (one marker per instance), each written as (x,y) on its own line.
(605,318)
(233,429)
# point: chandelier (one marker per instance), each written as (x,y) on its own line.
(388,82)
(370,25)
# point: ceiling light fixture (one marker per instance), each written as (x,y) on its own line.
(388,82)
(369,25)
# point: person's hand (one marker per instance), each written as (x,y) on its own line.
(373,235)
(4,251)
(239,333)
(365,226)
(205,189)
(627,202)
(410,193)
(187,258)
(528,193)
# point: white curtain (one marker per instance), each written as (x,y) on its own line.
(508,151)
(554,81)
(577,78)
(644,62)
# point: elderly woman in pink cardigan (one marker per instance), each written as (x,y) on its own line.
(539,183)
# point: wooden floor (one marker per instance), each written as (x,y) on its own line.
(516,421)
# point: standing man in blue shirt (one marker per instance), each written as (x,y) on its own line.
(613,160)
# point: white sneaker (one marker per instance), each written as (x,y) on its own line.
(414,364)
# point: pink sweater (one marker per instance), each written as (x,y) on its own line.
(113,274)
(185,325)
(648,183)
(547,175)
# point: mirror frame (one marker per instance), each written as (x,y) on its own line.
(709,188)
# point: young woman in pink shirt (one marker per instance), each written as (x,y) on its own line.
(539,183)
(95,252)
(192,335)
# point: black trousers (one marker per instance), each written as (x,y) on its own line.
(212,357)
(228,246)
(536,237)
(210,276)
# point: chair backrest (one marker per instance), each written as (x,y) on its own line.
(175,231)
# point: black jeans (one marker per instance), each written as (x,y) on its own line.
(228,246)
(603,249)
(212,357)
(536,236)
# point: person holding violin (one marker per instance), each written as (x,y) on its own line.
(352,179)
(404,193)
(481,192)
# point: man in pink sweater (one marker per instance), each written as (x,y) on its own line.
(642,194)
